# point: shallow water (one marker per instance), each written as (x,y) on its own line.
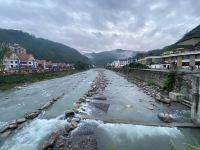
(110,136)
(15,103)
(34,133)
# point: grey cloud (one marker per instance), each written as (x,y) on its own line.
(97,25)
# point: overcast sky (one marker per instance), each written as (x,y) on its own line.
(99,25)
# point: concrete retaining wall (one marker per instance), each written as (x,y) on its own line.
(183,83)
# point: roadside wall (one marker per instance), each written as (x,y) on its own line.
(183,83)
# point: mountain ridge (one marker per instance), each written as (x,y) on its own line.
(42,48)
(102,58)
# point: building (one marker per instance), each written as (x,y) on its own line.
(11,62)
(16,48)
(185,55)
(27,62)
(41,64)
(150,60)
(121,63)
(19,60)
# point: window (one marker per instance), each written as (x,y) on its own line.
(185,57)
(16,62)
(29,62)
(185,64)
(11,66)
(11,62)
(197,56)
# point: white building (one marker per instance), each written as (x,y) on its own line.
(11,62)
(121,63)
(19,60)
(16,48)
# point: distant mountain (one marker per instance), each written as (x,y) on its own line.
(194,33)
(42,48)
(102,58)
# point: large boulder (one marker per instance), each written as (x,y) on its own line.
(165,117)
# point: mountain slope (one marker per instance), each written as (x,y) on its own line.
(194,33)
(102,58)
(42,48)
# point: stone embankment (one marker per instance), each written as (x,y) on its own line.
(6,131)
(159,95)
(84,138)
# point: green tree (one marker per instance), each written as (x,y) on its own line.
(4,52)
(81,65)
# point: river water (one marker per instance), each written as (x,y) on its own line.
(110,136)
(33,97)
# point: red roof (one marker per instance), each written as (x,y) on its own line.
(24,57)
(41,62)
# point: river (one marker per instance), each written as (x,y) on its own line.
(120,134)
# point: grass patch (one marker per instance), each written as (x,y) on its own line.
(10,81)
(170,80)
(151,83)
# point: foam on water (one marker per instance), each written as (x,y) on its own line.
(33,134)
(136,137)
(3,124)
(128,137)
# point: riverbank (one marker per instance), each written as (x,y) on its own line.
(111,104)
(11,81)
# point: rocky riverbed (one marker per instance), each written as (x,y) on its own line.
(79,134)
(113,113)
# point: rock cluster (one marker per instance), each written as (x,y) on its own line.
(8,129)
(64,140)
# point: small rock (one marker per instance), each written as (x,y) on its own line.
(47,105)
(70,113)
(158,97)
(5,134)
(50,142)
(4,129)
(165,117)
(166,100)
(31,115)
(54,99)
(21,120)
(76,119)
(100,98)
(74,124)
(151,107)
(12,126)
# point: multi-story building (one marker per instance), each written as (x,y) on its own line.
(19,60)
(27,62)
(122,62)
(11,62)
(185,55)
(16,48)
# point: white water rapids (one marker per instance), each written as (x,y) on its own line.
(33,134)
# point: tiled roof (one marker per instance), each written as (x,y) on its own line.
(24,57)
(40,62)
